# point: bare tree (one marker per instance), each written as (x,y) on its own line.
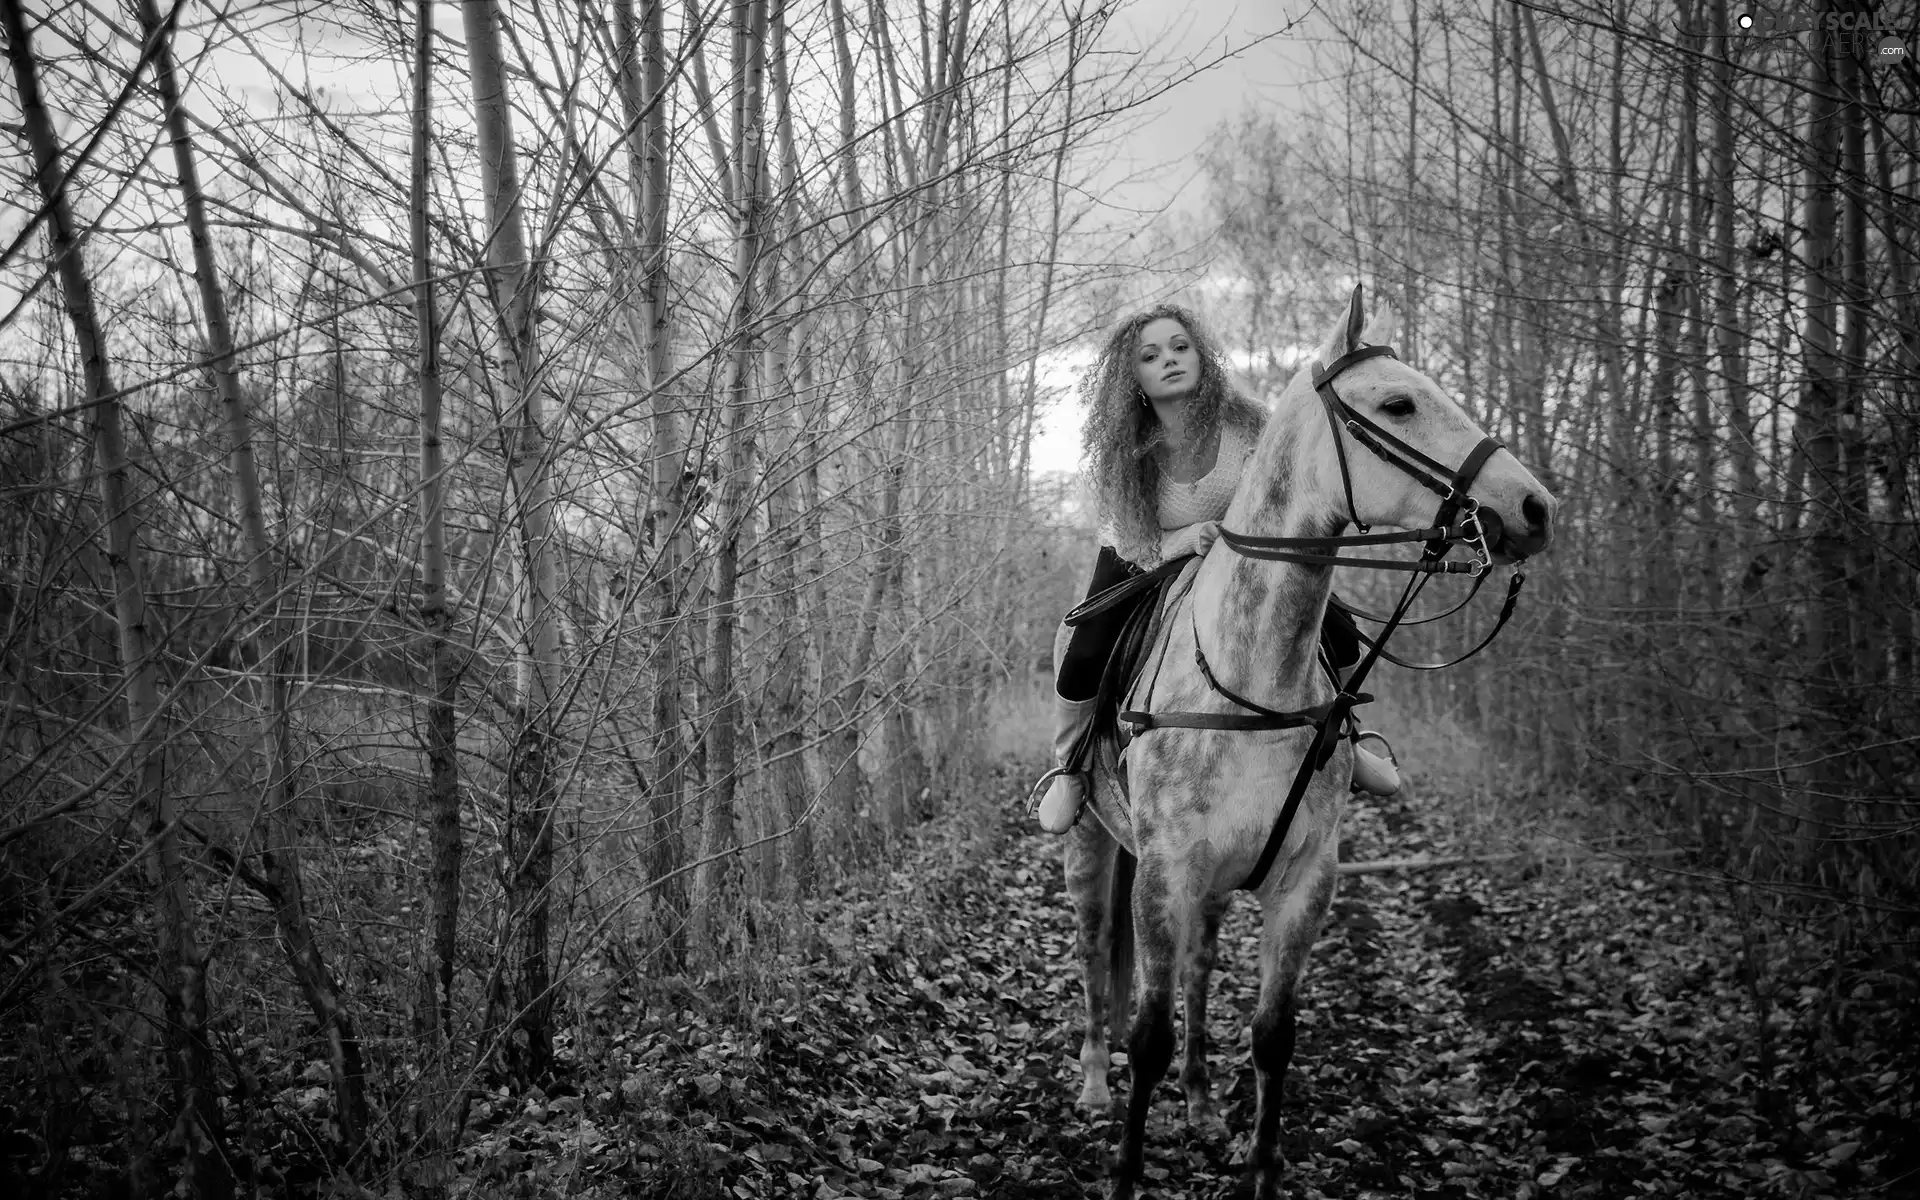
(1728,432)
(644,94)
(530,774)
(182,965)
(785,541)
(268,637)
(710,475)
(441,801)
(718,883)
(1817,430)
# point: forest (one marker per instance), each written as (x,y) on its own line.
(528,591)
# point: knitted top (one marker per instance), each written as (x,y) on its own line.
(1206,498)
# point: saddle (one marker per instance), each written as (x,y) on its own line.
(1146,599)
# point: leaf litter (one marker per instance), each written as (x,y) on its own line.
(1507,1031)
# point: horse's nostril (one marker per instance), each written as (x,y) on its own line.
(1536,514)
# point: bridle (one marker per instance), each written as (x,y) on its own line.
(1457,522)
(1440,537)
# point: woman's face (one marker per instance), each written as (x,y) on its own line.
(1165,361)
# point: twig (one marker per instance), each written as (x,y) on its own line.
(234,864)
(1388,866)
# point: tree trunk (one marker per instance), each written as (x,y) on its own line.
(907,768)
(644,94)
(530,771)
(441,806)
(786,674)
(845,781)
(1731,336)
(1825,614)
(717,879)
(270,645)
(1030,392)
(1670,293)
(1410,285)
(1705,554)
(182,968)
(1867,654)
(436,617)
(1903,422)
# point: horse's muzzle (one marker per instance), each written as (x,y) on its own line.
(1525,541)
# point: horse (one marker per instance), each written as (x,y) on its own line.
(1197,809)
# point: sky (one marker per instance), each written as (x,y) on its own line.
(1154,168)
(1158,167)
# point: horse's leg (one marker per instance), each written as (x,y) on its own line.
(1090,862)
(1292,922)
(1194,1078)
(1159,919)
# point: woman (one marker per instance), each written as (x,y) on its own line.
(1166,437)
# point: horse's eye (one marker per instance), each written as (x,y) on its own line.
(1399,406)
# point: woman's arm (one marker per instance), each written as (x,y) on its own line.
(1196,538)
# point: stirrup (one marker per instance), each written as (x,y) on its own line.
(1040,788)
(1359,734)
(1037,797)
(1382,788)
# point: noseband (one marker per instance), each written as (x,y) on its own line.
(1457,522)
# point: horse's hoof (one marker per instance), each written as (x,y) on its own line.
(1096,1099)
(1120,1189)
(1266,1181)
(1205,1119)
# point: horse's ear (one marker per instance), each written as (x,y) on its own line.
(1364,328)
(1345,336)
(1381,324)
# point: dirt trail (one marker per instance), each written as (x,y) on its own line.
(1502,1033)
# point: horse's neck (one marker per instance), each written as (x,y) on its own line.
(1263,618)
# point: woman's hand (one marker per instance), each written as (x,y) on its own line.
(1189,539)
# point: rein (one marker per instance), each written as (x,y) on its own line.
(1445,533)
(1324,551)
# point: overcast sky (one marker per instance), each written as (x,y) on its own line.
(1158,168)
(1154,169)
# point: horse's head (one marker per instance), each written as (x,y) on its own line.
(1387,483)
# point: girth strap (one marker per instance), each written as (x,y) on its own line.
(1230,722)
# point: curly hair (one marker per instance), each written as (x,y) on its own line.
(1122,432)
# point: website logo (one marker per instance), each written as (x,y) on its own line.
(1773,20)
(1870,36)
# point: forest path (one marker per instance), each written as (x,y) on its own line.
(1506,1032)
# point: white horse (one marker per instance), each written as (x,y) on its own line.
(1197,807)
